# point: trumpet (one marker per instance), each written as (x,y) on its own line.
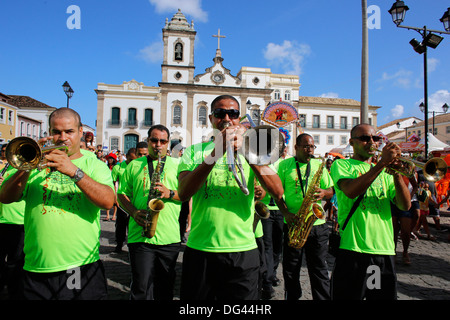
(25,154)
(433,170)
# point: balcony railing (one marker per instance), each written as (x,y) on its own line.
(130,124)
(114,123)
(147,123)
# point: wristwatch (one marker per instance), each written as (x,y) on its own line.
(172,194)
(79,174)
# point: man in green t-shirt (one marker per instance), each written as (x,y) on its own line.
(121,216)
(62,216)
(221,260)
(152,260)
(364,266)
(296,175)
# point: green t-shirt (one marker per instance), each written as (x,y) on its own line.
(293,195)
(135,184)
(12,213)
(62,226)
(370,228)
(118,170)
(222,215)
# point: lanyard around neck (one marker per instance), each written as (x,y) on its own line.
(307,173)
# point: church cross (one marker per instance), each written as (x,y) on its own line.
(218,36)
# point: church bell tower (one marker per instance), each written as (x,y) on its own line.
(178,37)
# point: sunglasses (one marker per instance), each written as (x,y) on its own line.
(220,113)
(308,146)
(367,138)
(162,141)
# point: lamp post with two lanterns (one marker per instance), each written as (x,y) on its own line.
(68,90)
(444,107)
(429,39)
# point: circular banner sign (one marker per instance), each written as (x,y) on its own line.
(280,114)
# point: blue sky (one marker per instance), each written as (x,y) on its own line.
(318,40)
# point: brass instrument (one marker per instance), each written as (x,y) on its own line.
(154,205)
(261,212)
(262,145)
(235,165)
(433,170)
(308,213)
(25,154)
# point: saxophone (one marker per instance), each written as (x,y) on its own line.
(308,213)
(154,205)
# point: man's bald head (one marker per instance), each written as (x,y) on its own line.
(65,113)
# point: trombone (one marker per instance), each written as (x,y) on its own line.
(25,154)
(433,170)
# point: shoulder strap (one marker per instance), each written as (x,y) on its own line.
(355,205)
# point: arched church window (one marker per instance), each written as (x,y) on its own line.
(176,115)
(179,52)
(202,116)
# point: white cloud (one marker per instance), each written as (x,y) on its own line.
(402,78)
(152,53)
(329,95)
(397,111)
(193,8)
(288,56)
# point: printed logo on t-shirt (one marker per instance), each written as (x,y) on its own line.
(60,193)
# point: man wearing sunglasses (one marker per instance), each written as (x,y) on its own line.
(221,259)
(364,266)
(152,260)
(296,174)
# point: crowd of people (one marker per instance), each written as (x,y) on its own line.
(50,218)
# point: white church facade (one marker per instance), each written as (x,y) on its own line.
(182,99)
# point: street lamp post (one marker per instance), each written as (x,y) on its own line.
(429,39)
(68,90)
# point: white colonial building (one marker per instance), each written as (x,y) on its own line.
(182,100)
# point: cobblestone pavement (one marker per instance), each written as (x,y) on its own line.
(427,278)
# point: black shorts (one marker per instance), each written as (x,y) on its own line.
(358,276)
(86,282)
(221,276)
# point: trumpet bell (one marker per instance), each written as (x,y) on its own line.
(434,169)
(23,153)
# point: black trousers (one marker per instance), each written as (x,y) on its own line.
(86,282)
(220,276)
(121,226)
(12,259)
(152,270)
(273,244)
(316,250)
(358,276)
